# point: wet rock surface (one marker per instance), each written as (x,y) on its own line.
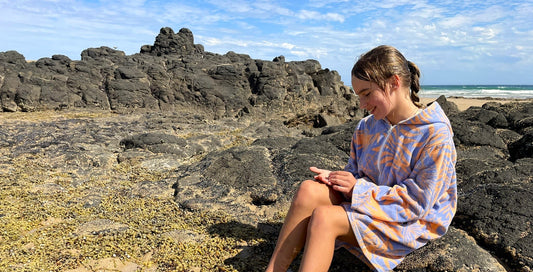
(221,142)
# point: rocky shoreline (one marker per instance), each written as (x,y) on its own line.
(102,173)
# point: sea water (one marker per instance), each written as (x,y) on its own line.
(478,91)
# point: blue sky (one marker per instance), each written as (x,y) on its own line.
(453,42)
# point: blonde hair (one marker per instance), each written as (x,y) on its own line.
(382,62)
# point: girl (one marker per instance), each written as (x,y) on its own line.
(398,189)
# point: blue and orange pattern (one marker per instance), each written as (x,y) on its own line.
(406,191)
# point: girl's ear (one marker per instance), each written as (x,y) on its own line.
(394,82)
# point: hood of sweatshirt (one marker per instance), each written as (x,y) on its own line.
(433,114)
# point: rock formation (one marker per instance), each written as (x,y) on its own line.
(175,74)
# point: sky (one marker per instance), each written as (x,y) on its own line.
(452,42)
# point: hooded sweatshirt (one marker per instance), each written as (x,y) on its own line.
(406,192)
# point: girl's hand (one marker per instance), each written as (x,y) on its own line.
(323,175)
(342,181)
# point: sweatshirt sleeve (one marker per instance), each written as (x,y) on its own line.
(414,197)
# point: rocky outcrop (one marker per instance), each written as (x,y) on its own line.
(495,172)
(176,75)
(250,168)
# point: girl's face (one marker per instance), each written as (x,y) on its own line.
(372,98)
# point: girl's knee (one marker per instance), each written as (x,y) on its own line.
(321,218)
(310,194)
(333,221)
(308,187)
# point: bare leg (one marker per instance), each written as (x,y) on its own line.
(327,224)
(310,195)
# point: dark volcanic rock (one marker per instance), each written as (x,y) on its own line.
(473,133)
(260,178)
(442,255)
(175,74)
(448,107)
(522,148)
(102,53)
(499,216)
(484,116)
(168,42)
(494,172)
(177,147)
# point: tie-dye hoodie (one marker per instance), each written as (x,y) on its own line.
(406,192)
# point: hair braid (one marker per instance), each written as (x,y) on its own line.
(415,83)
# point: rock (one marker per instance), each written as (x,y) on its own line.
(185,236)
(445,254)
(324,120)
(239,168)
(101,227)
(101,53)
(157,189)
(238,177)
(13,60)
(448,107)
(474,133)
(155,142)
(517,114)
(508,136)
(48,188)
(8,91)
(91,201)
(168,42)
(522,148)
(499,217)
(116,264)
(481,115)
(174,75)
(163,162)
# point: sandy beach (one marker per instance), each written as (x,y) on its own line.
(464,103)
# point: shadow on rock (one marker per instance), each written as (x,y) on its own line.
(255,257)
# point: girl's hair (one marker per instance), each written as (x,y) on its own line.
(382,62)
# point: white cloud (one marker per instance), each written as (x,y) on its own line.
(334,17)
(229,42)
(389,4)
(455,22)
(233,6)
(430,27)
(317,16)
(272,9)
(307,14)
(486,33)
(322,3)
(287,46)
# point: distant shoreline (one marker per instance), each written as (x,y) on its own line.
(464,103)
(470,85)
(479,91)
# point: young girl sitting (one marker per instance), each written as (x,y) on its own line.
(398,189)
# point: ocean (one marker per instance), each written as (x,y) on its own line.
(478,91)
